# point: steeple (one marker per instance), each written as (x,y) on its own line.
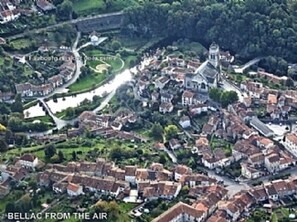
(214,55)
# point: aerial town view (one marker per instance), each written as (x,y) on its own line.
(148,110)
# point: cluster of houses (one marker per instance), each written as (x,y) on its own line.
(276,103)
(248,141)
(6,96)
(214,205)
(258,155)
(271,78)
(11,10)
(105,177)
(17,172)
(177,75)
(67,70)
(210,201)
(107,126)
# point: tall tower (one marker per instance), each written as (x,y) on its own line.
(214,55)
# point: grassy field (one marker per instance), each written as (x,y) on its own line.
(87,7)
(84,7)
(87,82)
(45,119)
(67,152)
(90,81)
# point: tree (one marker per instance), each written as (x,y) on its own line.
(8,136)
(15,124)
(55,98)
(65,9)
(170,131)
(162,159)
(4,108)
(61,156)
(96,99)
(49,151)
(115,45)
(17,105)
(215,94)
(107,3)
(70,112)
(228,97)
(111,208)
(25,203)
(3,146)
(85,71)
(74,157)
(289,82)
(9,208)
(271,25)
(157,132)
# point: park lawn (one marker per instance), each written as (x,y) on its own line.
(93,52)
(116,64)
(94,63)
(93,80)
(112,60)
(87,82)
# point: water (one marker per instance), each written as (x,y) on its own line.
(74,101)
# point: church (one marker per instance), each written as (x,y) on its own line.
(207,74)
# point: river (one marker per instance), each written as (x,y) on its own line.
(74,101)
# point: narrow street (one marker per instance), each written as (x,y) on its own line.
(171,155)
(232,186)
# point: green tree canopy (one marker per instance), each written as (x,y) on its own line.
(157,132)
(170,131)
(17,106)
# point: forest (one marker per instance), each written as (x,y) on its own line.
(248,28)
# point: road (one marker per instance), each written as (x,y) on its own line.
(228,86)
(73,21)
(171,155)
(78,63)
(248,64)
(232,186)
(292,171)
(59,122)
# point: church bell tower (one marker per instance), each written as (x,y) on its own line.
(214,55)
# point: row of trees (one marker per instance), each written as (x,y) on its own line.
(224,97)
(71,112)
(157,132)
(249,28)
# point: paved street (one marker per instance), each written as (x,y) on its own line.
(230,86)
(232,186)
